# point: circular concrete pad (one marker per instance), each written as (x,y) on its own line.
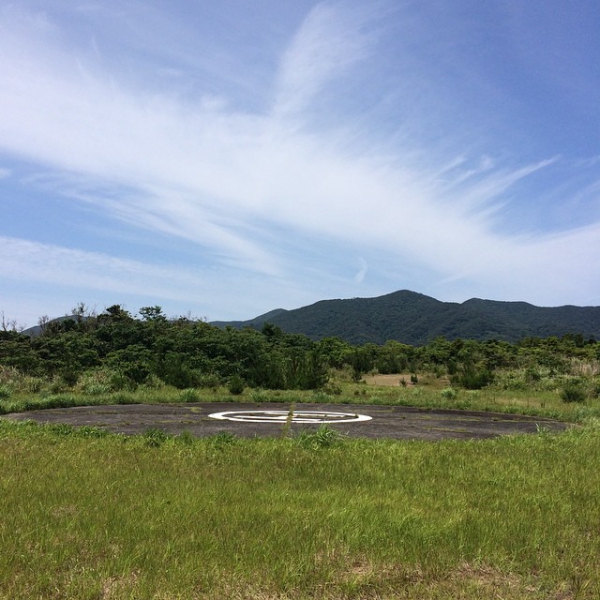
(396,422)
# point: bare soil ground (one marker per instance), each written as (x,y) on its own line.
(396,422)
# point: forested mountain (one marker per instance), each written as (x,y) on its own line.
(417,319)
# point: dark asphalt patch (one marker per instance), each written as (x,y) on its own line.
(395,422)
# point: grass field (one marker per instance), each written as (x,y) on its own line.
(87,515)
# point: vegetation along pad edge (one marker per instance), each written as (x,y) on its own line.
(396,422)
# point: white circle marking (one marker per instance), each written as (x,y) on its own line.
(282,416)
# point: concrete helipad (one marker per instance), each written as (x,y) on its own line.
(250,420)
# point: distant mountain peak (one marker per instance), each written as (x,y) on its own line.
(416,319)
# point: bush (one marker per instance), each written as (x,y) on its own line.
(33,385)
(236,385)
(533,375)
(118,382)
(448,393)
(473,379)
(573,391)
(70,377)
(189,395)
(332,389)
(209,381)
(154,382)
(58,386)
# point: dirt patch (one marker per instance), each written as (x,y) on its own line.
(396,422)
(389,380)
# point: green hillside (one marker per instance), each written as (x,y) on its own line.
(416,319)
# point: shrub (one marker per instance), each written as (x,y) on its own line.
(70,377)
(473,379)
(33,385)
(209,380)
(4,392)
(118,382)
(332,389)
(8,374)
(57,386)
(532,375)
(236,385)
(448,393)
(154,382)
(189,395)
(438,371)
(95,383)
(573,391)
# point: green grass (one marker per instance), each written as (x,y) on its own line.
(88,515)
(547,403)
(512,392)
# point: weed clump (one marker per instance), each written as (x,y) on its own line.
(155,437)
(323,437)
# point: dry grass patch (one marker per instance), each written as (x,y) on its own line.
(406,380)
(364,580)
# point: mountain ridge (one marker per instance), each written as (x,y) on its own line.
(416,319)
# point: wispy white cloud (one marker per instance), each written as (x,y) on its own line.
(329,42)
(56,265)
(251,188)
(50,278)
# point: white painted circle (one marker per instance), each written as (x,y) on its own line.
(283,416)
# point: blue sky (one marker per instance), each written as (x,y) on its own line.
(222,159)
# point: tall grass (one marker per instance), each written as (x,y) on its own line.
(90,515)
(533,402)
(514,391)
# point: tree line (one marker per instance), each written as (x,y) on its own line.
(188,353)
